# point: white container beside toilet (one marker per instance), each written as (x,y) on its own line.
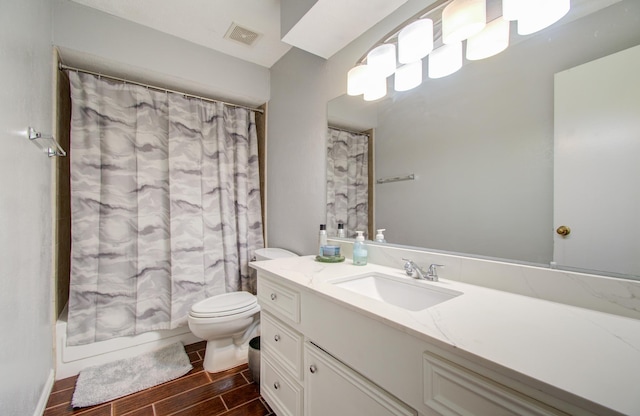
(228,321)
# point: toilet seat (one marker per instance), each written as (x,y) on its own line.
(226,304)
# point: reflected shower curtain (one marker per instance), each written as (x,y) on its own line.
(165,205)
(347,181)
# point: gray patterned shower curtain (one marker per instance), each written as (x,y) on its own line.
(165,205)
(347,181)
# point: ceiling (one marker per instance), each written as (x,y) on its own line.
(205,22)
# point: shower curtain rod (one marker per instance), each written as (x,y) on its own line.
(366,132)
(62,66)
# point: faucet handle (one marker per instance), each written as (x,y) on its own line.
(433,271)
(408,266)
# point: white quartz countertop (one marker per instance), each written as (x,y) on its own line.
(590,354)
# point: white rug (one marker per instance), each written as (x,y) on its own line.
(109,381)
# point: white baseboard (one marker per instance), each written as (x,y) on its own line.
(44,397)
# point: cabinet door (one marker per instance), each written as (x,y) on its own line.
(332,388)
(452,390)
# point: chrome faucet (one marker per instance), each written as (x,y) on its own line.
(430,274)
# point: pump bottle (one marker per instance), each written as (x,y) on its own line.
(360,252)
(380,236)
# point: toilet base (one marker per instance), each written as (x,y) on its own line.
(223,354)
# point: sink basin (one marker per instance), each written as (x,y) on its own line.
(408,294)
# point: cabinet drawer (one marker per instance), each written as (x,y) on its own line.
(453,390)
(283,344)
(282,393)
(280,300)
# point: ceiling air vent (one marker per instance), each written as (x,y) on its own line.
(241,34)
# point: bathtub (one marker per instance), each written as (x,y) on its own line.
(70,360)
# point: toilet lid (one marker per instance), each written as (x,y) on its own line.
(224,305)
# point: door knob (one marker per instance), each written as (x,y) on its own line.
(563,230)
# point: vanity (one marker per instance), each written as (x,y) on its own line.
(339,339)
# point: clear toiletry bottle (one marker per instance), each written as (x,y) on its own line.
(360,252)
(341,232)
(322,238)
(380,236)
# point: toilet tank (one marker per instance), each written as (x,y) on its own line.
(273,253)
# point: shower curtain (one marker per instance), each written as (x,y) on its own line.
(165,206)
(347,181)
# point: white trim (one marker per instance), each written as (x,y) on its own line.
(44,397)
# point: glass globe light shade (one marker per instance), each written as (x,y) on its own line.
(415,41)
(462,19)
(493,39)
(540,14)
(357,79)
(513,9)
(445,60)
(382,60)
(408,76)
(376,88)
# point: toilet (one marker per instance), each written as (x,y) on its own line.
(228,322)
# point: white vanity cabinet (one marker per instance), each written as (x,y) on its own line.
(323,357)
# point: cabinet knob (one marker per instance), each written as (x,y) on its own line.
(563,230)
(276,338)
(276,385)
(313,369)
(273,296)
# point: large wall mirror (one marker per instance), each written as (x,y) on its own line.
(480,143)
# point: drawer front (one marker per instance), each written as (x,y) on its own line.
(280,300)
(281,392)
(283,344)
(454,390)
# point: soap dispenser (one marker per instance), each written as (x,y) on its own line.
(380,236)
(360,252)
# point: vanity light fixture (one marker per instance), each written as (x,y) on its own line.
(408,76)
(415,41)
(492,40)
(445,60)
(462,19)
(459,21)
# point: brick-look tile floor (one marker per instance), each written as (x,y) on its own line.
(198,393)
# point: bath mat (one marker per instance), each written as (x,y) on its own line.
(110,381)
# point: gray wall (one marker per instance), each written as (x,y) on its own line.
(296,153)
(301,86)
(25,207)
